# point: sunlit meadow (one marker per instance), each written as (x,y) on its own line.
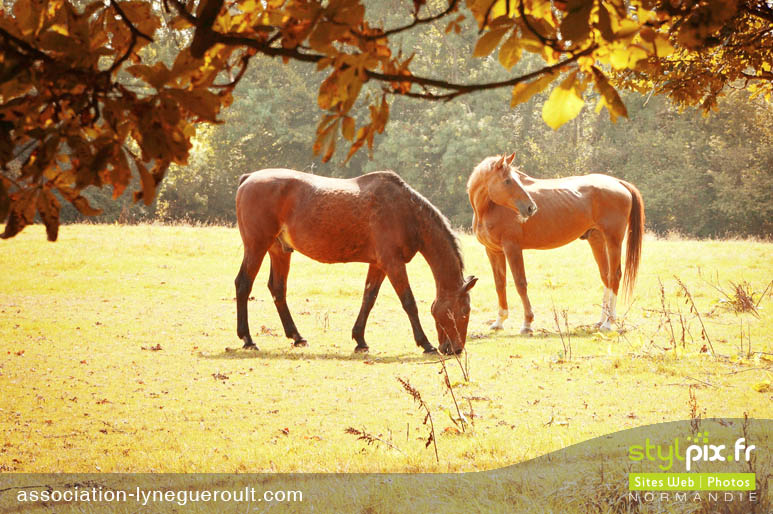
(118,352)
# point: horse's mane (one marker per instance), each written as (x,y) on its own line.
(480,169)
(432,213)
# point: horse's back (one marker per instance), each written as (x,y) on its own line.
(327,219)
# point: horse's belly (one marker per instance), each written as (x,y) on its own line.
(546,234)
(332,247)
(549,244)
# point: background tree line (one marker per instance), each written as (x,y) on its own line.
(104,103)
(700,176)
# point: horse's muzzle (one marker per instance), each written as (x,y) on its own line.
(526,210)
(447,348)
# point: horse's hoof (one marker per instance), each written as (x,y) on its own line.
(605,328)
(361,349)
(526,331)
(249,346)
(300,343)
(496,326)
(430,350)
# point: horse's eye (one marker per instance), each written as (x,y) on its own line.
(508,181)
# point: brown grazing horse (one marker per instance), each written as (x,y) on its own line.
(514,212)
(376,218)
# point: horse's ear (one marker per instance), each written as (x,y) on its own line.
(510,158)
(500,162)
(468,283)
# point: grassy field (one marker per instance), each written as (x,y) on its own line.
(118,352)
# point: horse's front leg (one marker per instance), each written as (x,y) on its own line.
(372,286)
(399,279)
(515,259)
(499,267)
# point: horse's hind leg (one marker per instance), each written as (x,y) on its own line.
(614,243)
(244,280)
(598,246)
(499,267)
(277,284)
(515,259)
(372,286)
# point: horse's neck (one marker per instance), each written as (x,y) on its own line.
(440,252)
(525,179)
(480,200)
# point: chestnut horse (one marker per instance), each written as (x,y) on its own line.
(514,212)
(376,218)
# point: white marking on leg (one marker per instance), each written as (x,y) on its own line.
(526,328)
(612,305)
(501,317)
(611,314)
(604,307)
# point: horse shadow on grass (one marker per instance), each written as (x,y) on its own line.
(298,354)
(575,332)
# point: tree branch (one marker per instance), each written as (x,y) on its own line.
(135,32)
(204,37)
(452,5)
(456,89)
(550,42)
(762,75)
(25,46)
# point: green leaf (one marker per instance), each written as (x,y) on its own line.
(489,41)
(564,103)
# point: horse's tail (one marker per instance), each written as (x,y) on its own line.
(635,235)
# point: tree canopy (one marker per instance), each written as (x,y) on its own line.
(96,93)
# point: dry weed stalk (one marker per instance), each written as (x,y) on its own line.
(568,343)
(431,439)
(466,366)
(695,416)
(460,421)
(369,438)
(694,309)
(666,314)
(740,299)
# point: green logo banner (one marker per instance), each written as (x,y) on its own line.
(692,481)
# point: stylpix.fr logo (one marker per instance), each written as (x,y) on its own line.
(698,450)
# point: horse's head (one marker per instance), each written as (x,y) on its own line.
(505,187)
(452,313)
